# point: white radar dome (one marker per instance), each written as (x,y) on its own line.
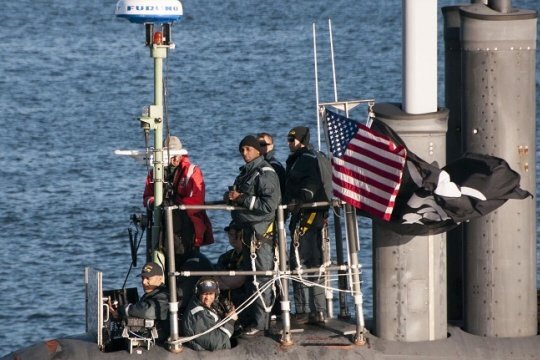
(149,11)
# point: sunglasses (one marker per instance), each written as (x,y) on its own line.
(290,139)
(262,143)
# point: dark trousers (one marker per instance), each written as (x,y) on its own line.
(263,261)
(308,298)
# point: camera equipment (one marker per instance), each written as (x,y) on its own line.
(114,327)
(227,304)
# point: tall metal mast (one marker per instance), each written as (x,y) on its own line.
(157,16)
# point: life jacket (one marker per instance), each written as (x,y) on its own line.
(182,190)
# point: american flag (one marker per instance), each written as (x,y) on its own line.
(366,166)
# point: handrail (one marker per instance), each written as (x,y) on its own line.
(283,274)
(220,205)
(264,272)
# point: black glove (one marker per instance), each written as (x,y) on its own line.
(240,199)
(294,207)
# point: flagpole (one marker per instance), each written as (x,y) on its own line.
(350,211)
(345,278)
(316,86)
(332,57)
(352,234)
(343,281)
(328,295)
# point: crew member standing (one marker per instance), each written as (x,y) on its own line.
(183,185)
(267,150)
(303,184)
(257,190)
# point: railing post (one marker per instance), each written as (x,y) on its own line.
(173,345)
(342,278)
(286,339)
(352,232)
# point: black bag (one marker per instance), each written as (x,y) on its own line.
(325,171)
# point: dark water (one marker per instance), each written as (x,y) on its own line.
(74,78)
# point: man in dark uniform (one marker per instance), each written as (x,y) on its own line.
(203,313)
(267,150)
(234,288)
(257,190)
(154,304)
(303,184)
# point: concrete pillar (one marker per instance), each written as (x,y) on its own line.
(410,271)
(419,56)
(499,105)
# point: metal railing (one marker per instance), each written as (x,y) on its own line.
(350,269)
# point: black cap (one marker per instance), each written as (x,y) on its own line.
(151,269)
(250,140)
(300,133)
(232,225)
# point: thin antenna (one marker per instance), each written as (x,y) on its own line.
(316,86)
(332,56)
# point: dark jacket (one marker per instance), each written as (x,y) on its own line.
(303,184)
(153,306)
(303,181)
(198,319)
(259,185)
(278,168)
(229,260)
(232,260)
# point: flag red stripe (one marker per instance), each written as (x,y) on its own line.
(366,208)
(366,190)
(394,161)
(378,140)
(354,159)
(377,147)
(374,165)
(385,201)
(366,179)
(368,173)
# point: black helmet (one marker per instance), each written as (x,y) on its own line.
(206,285)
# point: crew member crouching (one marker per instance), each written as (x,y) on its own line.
(153,305)
(203,313)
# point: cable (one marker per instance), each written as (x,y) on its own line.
(131,264)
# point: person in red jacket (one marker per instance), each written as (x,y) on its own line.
(183,185)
